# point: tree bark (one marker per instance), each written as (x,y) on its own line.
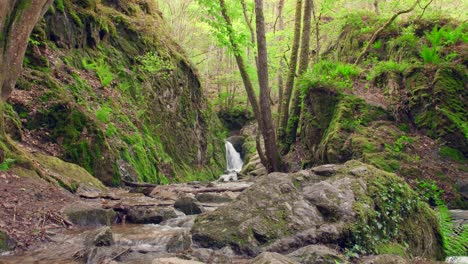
(317,31)
(280,70)
(291,74)
(268,132)
(303,65)
(382,28)
(17,20)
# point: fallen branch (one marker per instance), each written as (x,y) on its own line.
(139,184)
(215,189)
(376,33)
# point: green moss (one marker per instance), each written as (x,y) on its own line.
(6,244)
(396,217)
(391,248)
(455,154)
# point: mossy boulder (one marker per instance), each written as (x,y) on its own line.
(90,215)
(329,119)
(69,175)
(438,103)
(358,208)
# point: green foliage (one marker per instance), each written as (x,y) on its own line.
(377,44)
(325,71)
(103,114)
(5,165)
(430,55)
(400,144)
(452,153)
(60,5)
(387,66)
(455,241)
(103,70)
(152,63)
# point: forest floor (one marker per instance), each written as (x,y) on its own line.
(30,208)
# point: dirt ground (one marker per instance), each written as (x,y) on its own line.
(30,208)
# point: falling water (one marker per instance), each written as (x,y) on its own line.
(234,163)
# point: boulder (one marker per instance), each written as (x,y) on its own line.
(174,260)
(149,215)
(317,254)
(358,208)
(102,237)
(89,215)
(179,243)
(272,258)
(384,259)
(212,198)
(188,206)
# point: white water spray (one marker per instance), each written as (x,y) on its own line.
(234,163)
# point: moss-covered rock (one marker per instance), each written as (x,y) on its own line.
(329,120)
(438,103)
(111,90)
(357,208)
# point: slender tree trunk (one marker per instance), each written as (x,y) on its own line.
(280,70)
(317,31)
(382,28)
(268,132)
(303,65)
(17,19)
(291,74)
(241,64)
(376,7)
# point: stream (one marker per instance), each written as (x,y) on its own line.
(127,242)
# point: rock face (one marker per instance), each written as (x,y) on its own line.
(357,207)
(94,100)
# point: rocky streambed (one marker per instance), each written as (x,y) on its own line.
(328,214)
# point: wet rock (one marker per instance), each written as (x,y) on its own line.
(149,215)
(174,261)
(317,254)
(179,243)
(384,259)
(212,198)
(326,170)
(460,217)
(206,255)
(102,237)
(105,254)
(272,258)
(188,206)
(89,215)
(6,243)
(88,192)
(127,172)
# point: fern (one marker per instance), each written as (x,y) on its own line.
(454,244)
(430,55)
(435,36)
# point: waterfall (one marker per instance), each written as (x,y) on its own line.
(234,163)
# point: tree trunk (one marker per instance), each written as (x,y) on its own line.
(268,132)
(280,70)
(303,65)
(291,75)
(241,64)
(317,31)
(17,19)
(382,28)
